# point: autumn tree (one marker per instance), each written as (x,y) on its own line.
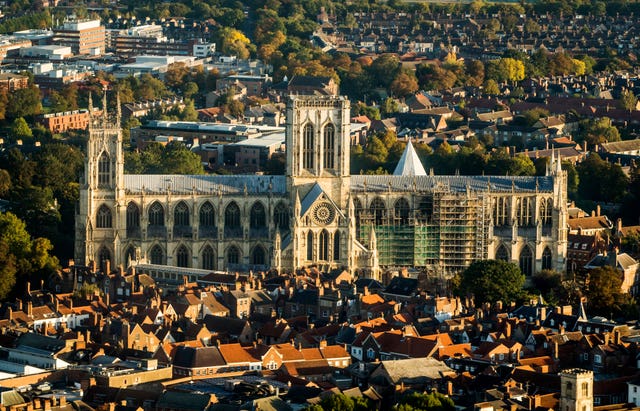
(404,85)
(597,131)
(234,43)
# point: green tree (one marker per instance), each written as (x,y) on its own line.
(597,131)
(491,87)
(177,159)
(20,129)
(628,100)
(548,283)
(491,281)
(603,292)
(601,180)
(340,402)
(433,401)
(25,102)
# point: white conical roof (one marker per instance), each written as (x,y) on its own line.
(409,164)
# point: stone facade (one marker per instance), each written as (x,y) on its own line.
(317,213)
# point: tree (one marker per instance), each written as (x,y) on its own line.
(20,129)
(598,131)
(628,100)
(25,102)
(491,87)
(433,401)
(177,159)
(491,281)
(601,180)
(404,84)
(604,295)
(548,283)
(341,402)
(234,43)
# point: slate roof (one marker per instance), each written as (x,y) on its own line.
(233,326)
(203,184)
(40,342)
(173,400)
(380,183)
(190,357)
(402,286)
(415,369)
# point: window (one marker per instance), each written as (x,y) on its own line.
(310,245)
(208,258)
(156,214)
(401,211)
(181,214)
(336,246)
(182,257)
(377,210)
(157,255)
(233,255)
(258,256)
(597,359)
(232,216)
(585,389)
(258,216)
(501,211)
(502,253)
(103,256)
(207,215)
(307,147)
(103,219)
(324,245)
(104,170)
(371,354)
(281,217)
(546,206)
(526,261)
(329,146)
(524,209)
(546,259)
(133,216)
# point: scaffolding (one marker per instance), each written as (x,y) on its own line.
(444,230)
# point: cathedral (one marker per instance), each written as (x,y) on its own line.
(318,213)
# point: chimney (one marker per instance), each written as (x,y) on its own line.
(320,291)
(18,304)
(63,401)
(618,226)
(107,266)
(365,291)
(29,309)
(28,285)
(555,350)
(598,210)
(9,314)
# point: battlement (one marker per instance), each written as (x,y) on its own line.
(577,373)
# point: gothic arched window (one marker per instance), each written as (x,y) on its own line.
(156,214)
(526,261)
(233,255)
(546,207)
(157,255)
(329,135)
(401,209)
(232,216)
(104,170)
(182,257)
(310,245)
(281,216)
(103,218)
(546,259)
(133,216)
(501,211)
(258,256)
(258,216)
(207,215)
(336,246)
(378,210)
(323,242)
(208,258)
(307,147)
(502,253)
(181,214)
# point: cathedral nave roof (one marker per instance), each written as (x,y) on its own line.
(204,184)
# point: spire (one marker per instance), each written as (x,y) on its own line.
(118,109)
(409,164)
(297,207)
(558,165)
(104,104)
(582,315)
(373,241)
